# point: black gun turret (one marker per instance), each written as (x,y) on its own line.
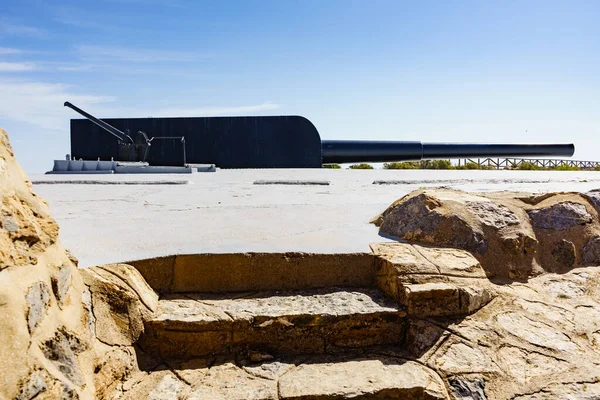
(263,142)
(129,149)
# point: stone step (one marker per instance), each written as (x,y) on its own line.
(272,323)
(245,272)
(364,376)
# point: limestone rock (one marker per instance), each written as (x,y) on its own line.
(468,389)
(46,351)
(362,378)
(490,229)
(33,385)
(62,350)
(431,281)
(122,300)
(512,235)
(27,229)
(61,282)
(38,299)
(591,251)
(560,216)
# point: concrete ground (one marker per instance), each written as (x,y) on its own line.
(141,216)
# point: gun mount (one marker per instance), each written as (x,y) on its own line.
(129,149)
(261,142)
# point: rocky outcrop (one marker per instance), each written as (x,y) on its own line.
(490,296)
(66,334)
(513,235)
(46,348)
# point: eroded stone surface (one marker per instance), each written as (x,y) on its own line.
(121,300)
(513,236)
(61,283)
(273,323)
(62,350)
(38,299)
(560,216)
(371,378)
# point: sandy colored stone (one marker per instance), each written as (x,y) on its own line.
(264,271)
(131,277)
(45,351)
(161,384)
(452,262)
(366,378)
(38,299)
(560,216)
(227,381)
(513,236)
(481,225)
(121,302)
(61,283)
(272,323)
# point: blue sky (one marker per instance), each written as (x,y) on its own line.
(486,71)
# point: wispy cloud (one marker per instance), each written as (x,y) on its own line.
(75,68)
(41,104)
(9,51)
(8,28)
(16,67)
(216,111)
(160,3)
(135,55)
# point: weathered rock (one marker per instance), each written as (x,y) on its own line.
(229,382)
(270,323)
(466,389)
(512,235)
(363,378)
(591,251)
(33,385)
(122,300)
(492,214)
(62,350)
(494,229)
(572,390)
(564,254)
(112,367)
(430,281)
(422,218)
(560,216)
(38,299)
(61,283)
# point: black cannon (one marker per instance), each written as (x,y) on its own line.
(345,151)
(260,142)
(128,148)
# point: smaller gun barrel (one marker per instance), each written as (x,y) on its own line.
(122,136)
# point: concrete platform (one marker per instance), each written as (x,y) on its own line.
(225,212)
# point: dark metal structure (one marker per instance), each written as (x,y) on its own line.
(260,142)
(344,151)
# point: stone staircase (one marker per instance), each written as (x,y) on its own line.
(295,326)
(317,321)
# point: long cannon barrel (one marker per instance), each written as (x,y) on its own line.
(346,151)
(122,136)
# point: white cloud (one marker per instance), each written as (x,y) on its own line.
(75,68)
(9,51)
(8,28)
(104,53)
(216,111)
(41,104)
(16,67)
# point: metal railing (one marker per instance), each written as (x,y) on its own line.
(521,163)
